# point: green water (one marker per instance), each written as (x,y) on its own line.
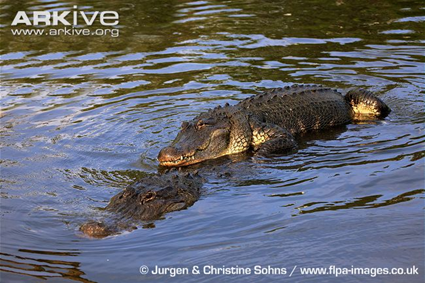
(84,116)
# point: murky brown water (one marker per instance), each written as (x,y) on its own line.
(82,117)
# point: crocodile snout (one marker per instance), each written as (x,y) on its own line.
(169,153)
(175,156)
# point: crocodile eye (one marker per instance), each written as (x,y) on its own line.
(149,196)
(200,124)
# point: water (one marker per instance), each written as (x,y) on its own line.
(82,117)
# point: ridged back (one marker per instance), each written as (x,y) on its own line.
(299,108)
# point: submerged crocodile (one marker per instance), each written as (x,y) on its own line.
(268,122)
(145,200)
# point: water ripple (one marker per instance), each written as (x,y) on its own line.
(82,118)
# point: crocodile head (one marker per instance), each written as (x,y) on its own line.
(201,139)
(152,197)
(145,200)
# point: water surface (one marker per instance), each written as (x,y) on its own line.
(82,117)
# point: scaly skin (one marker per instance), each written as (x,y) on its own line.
(145,200)
(268,122)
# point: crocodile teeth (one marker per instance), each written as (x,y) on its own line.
(180,159)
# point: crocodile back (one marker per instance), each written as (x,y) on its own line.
(299,108)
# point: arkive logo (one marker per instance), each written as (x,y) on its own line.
(66,18)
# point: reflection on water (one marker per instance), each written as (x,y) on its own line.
(83,117)
(43,268)
(364,202)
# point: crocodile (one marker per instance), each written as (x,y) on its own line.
(269,123)
(147,199)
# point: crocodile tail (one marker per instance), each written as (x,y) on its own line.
(366,104)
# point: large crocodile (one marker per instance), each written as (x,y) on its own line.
(268,122)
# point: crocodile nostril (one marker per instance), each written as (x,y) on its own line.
(169,154)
